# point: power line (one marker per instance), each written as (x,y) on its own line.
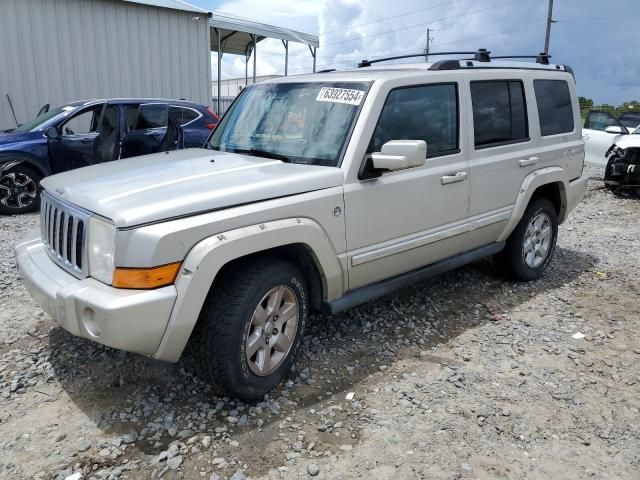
(423,24)
(391,17)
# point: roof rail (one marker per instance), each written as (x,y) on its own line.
(480,55)
(541,58)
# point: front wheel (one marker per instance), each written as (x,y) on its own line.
(530,246)
(19,190)
(250,327)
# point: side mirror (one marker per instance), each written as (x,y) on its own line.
(616,129)
(52,133)
(400,154)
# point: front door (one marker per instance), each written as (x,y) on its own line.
(75,147)
(406,219)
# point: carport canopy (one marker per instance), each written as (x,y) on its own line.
(240,36)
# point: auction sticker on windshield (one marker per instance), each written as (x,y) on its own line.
(340,95)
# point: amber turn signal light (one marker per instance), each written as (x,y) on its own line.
(145,278)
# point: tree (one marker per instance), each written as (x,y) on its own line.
(585,102)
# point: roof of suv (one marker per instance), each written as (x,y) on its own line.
(403,70)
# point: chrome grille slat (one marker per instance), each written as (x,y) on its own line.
(64,234)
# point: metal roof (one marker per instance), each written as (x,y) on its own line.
(236,33)
(172,4)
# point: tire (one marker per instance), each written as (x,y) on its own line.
(19,190)
(229,332)
(521,262)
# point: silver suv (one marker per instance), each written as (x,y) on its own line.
(315,192)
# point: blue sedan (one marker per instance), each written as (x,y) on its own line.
(88,132)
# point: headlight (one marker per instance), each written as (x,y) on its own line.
(102,242)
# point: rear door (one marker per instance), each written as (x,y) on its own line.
(502,151)
(596,140)
(194,129)
(150,129)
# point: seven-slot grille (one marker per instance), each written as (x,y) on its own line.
(64,233)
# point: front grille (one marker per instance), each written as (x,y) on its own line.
(64,233)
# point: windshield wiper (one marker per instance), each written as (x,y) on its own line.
(263,153)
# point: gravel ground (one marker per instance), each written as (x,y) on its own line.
(465,376)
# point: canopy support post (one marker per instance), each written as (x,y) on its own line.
(286,56)
(217,30)
(313,54)
(255,52)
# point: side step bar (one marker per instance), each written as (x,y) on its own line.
(384,287)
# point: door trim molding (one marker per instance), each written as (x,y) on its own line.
(384,287)
(433,235)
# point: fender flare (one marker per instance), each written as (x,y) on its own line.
(534,180)
(205,260)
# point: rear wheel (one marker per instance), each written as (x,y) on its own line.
(19,190)
(250,327)
(530,246)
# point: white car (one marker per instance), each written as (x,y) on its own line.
(601,130)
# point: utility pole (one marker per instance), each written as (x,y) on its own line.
(428,46)
(550,20)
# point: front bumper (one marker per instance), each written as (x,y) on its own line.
(132,320)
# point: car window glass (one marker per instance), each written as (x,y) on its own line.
(183,115)
(152,115)
(599,121)
(130,116)
(499,112)
(428,113)
(82,123)
(630,120)
(555,110)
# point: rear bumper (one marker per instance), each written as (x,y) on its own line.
(132,320)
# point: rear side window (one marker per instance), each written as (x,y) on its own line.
(499,113)
(554,106)
(152,115)
(183,115)
(427,113)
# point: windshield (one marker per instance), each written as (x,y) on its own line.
(295,122)
(40,121)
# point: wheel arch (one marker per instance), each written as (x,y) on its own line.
(547,183)
(300,240)
(9,160)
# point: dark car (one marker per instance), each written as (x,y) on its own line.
(88,132)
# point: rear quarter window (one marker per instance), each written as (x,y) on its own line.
(555,109)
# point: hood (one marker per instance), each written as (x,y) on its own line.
(183,182)
(13,137)
(626,141)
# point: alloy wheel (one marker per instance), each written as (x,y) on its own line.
(272,331)
(17,190)
(537,240)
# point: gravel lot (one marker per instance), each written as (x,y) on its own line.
(466,376)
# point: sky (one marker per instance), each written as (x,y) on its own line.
(599,39)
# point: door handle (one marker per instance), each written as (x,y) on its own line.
(453,178)
(525,162)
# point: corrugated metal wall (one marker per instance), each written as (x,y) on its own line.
(55,51)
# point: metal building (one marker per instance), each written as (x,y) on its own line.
(55,51)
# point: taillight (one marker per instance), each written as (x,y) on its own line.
(216,119)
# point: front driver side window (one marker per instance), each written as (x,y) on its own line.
(82,123)
(424,112)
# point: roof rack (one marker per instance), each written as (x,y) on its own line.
(480,55)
